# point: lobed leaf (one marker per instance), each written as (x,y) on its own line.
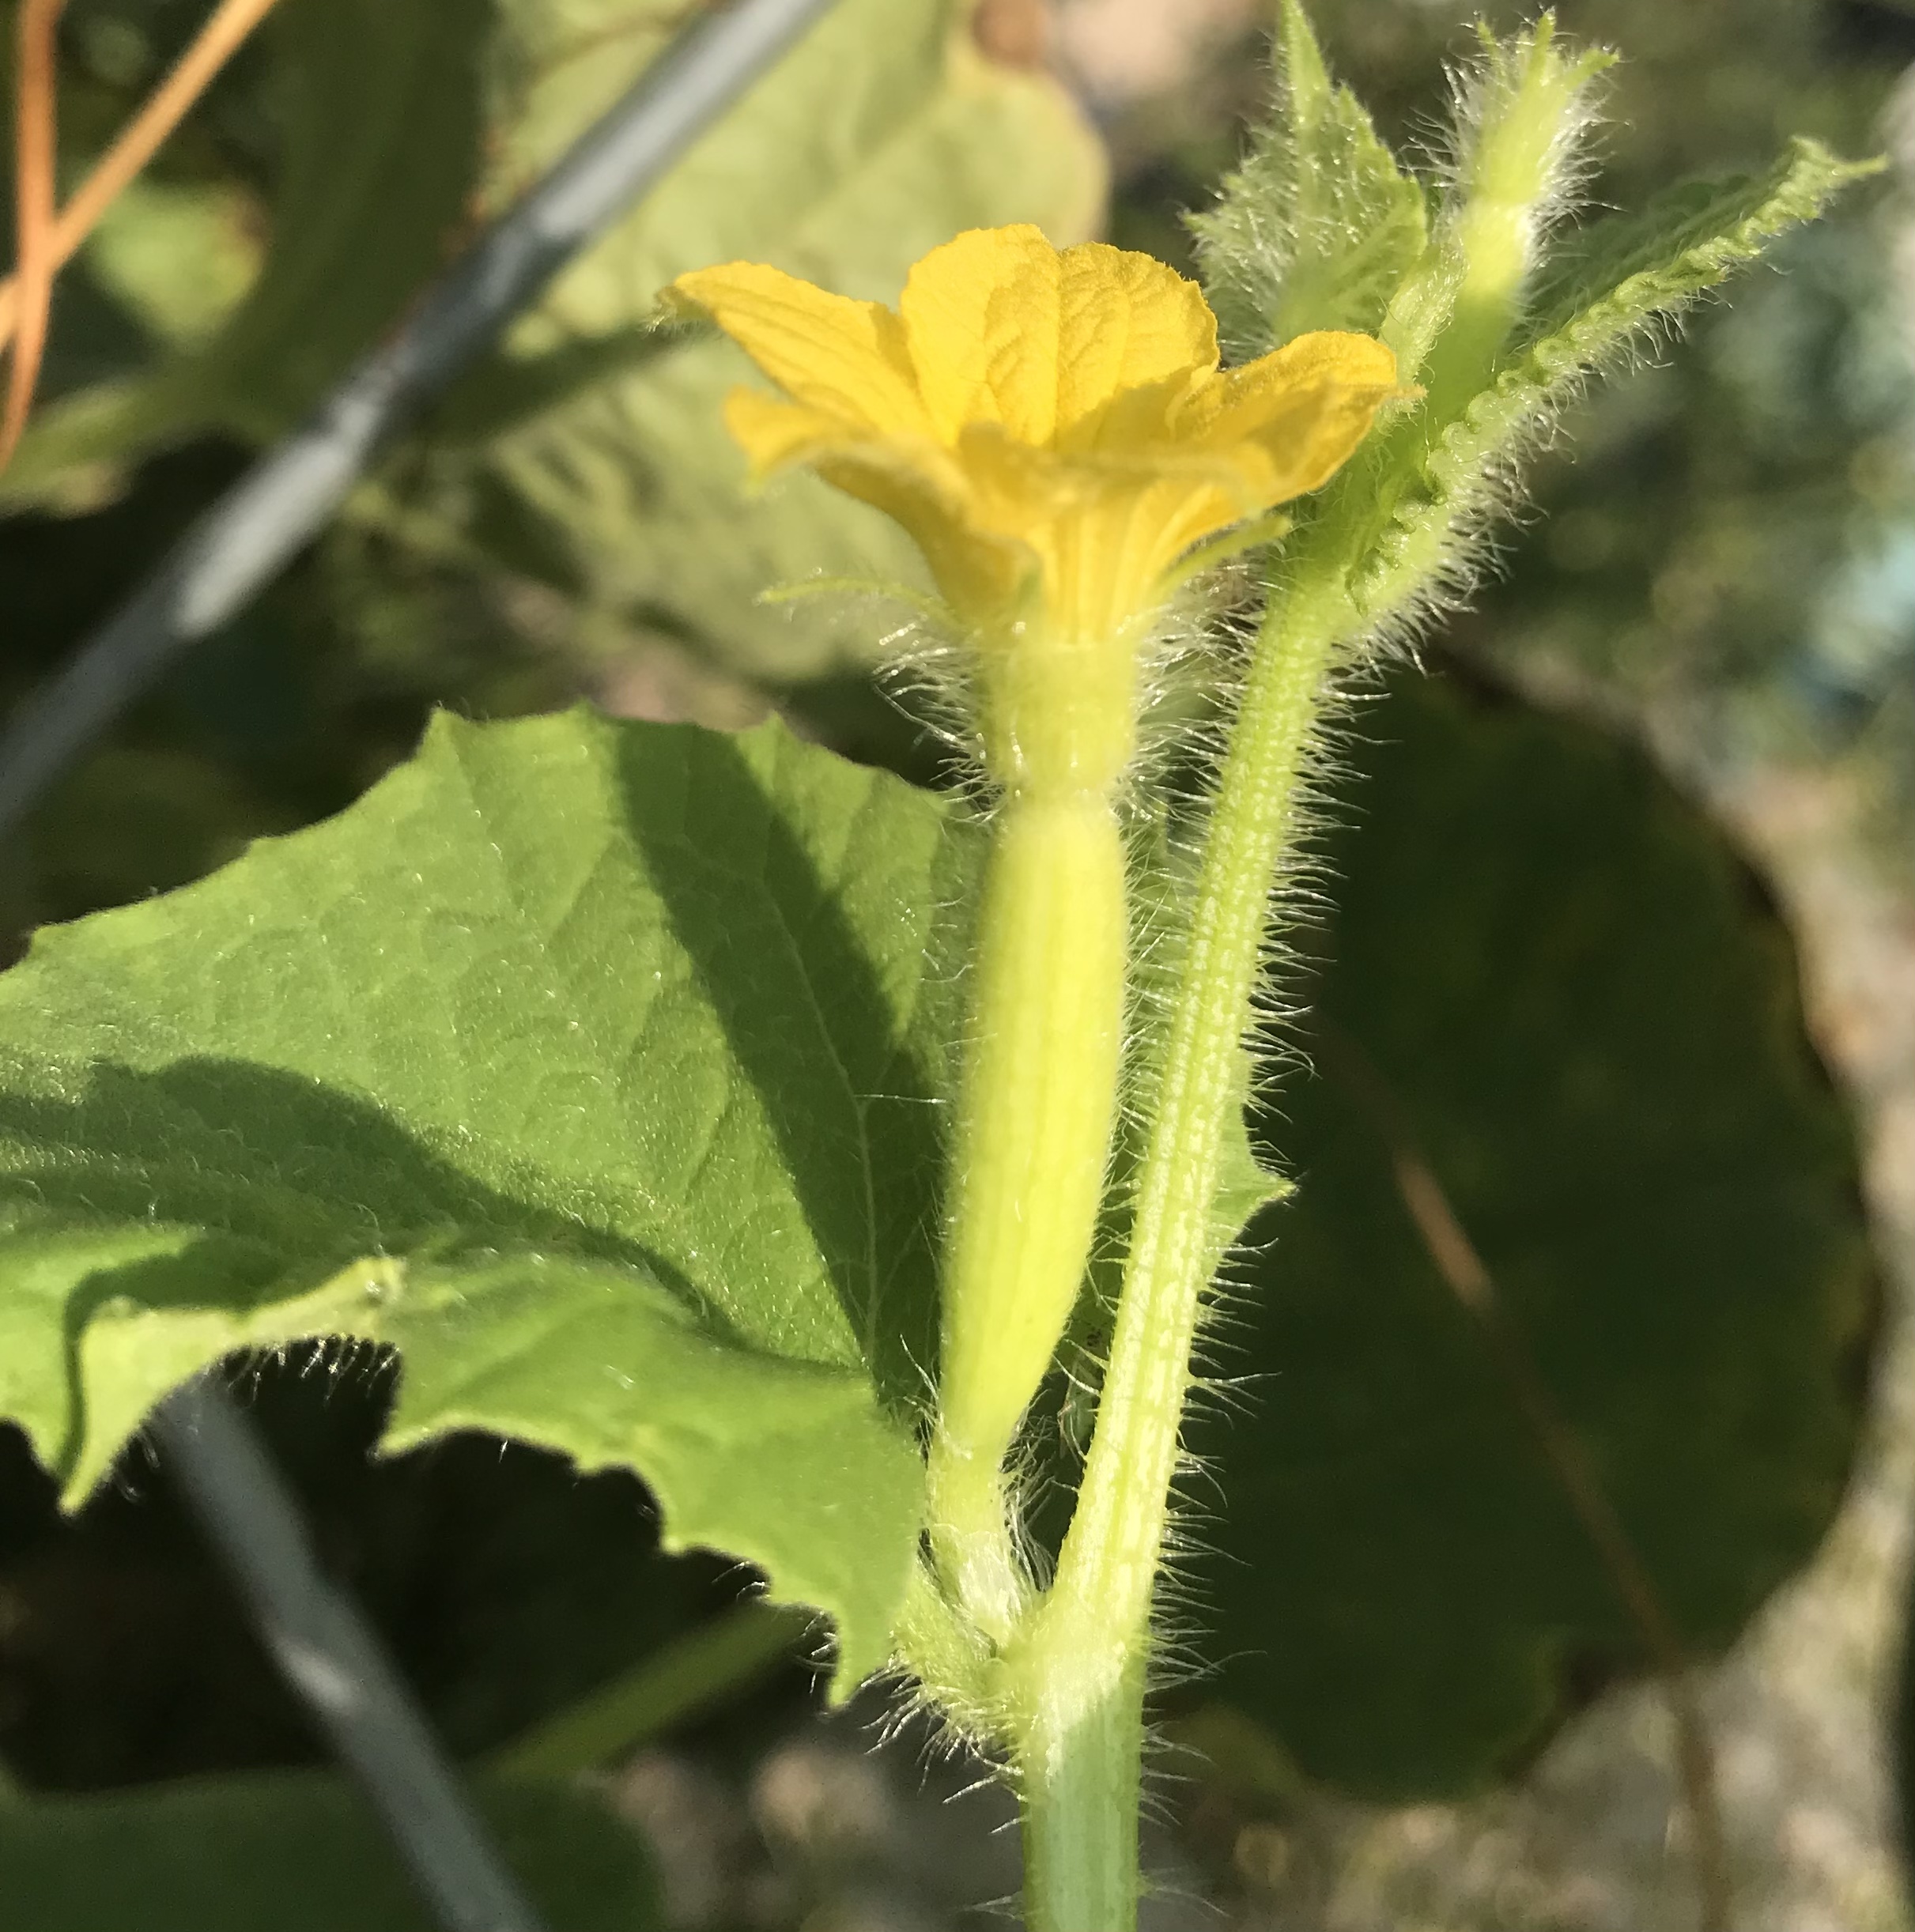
(595,1067)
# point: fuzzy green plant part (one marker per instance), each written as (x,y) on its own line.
(1502,332)
(1056,433)
(1054,430)
(1499,311)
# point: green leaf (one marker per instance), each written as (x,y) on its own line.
(176,254)
(1319,226)
(380,103)
(593,1067)
(882,134)
(1590,1020)
(301,1852)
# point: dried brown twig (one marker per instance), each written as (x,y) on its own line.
(47,241)
(33,209)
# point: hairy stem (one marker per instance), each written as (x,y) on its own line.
(1077,1673)
(1080,1762)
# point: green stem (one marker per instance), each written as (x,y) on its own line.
(687,1675)
(1077,1675)
(1080,1784)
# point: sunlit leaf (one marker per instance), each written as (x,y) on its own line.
(593,1068)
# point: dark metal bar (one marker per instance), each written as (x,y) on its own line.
(284,499)
(333,1658)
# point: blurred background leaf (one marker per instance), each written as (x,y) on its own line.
(1586,1012)
(884,133)
(301,1852)
(211,1143)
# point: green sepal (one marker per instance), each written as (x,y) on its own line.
(1319,226)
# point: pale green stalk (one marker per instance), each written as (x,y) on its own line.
(1038,1102)
(1076,1677)
(1037,1105)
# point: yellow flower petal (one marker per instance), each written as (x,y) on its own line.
(1004,328)
(847,359)
(1290,420)
(775,434)
(1052,427)
(979,570)
(1106,531)
(1128,323)
(1103,565)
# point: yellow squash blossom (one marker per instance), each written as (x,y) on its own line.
(1053,428)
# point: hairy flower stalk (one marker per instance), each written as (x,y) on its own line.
(1055,431)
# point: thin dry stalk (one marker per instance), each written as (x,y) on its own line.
(33,208)
(47,241)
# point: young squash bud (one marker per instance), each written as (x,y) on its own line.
(1521,117)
